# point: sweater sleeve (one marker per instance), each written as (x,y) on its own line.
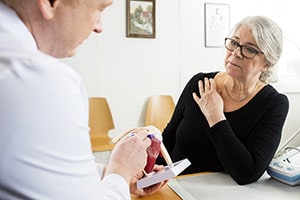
(169,133)
(247,161)
(170,130)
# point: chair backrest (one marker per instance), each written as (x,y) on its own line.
(159,111)
(100,122)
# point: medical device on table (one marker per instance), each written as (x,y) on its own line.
(285,165)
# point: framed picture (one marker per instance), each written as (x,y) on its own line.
(216,18)
(140,18)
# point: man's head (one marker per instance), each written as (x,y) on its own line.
(60,26)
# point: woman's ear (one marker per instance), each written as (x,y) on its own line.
(266,66)
(47,8)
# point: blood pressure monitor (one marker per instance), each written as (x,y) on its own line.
(285,166)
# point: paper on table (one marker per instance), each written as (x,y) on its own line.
(167,173)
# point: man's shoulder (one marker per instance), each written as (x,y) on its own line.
(34,62)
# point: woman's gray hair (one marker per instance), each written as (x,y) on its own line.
(268,37)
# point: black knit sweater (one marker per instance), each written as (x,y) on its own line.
(242,145)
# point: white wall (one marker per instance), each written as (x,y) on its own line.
(128,70)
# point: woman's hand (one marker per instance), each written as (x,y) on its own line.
(210,102)
(148,190)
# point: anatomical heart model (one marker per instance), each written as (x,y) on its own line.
(154,150)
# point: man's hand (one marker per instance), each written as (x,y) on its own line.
(129,156)
(148,190)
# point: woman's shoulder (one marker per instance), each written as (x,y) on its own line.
(192,83)
(202,75)
(269,92)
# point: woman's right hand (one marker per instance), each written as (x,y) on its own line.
(210,102)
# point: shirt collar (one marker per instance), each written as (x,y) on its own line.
(13,31)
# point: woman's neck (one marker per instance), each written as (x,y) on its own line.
(238,91)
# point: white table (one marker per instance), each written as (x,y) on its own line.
(220,186)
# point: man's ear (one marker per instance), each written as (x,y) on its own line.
(47,8)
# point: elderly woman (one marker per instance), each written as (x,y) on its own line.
(232,121)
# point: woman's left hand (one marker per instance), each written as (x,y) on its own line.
(210,102)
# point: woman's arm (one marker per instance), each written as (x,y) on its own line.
(247,161)
(169,132)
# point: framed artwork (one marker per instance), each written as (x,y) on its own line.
(140,18)
(216,18)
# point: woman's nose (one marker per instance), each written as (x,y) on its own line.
(238,52)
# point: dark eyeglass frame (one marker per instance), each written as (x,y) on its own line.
(51,2)
(255,51)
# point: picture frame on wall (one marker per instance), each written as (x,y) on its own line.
(217,24)
(140,18)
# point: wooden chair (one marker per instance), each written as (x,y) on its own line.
(159,111)
(100,122)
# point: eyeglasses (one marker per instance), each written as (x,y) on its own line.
(246,50)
